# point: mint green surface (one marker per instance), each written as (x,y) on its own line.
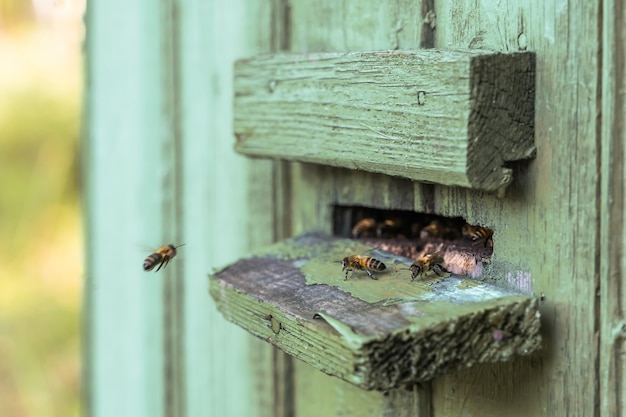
(156,152)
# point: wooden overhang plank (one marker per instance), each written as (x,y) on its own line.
(447,117)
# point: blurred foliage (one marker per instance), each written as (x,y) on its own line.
(15,13)
(41,245)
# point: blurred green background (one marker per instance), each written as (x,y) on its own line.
(41,240)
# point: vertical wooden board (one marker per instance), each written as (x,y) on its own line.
(485,25)
(128,178)
(335,27)
(173,372)
(353,188)
(312,211)
(222,207)
(326,26)
(613,209)
(321,395)
(317,189)
(545,238)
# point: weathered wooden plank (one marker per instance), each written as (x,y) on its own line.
(377,334)
(364,25)
(612,376)
(540,243)
(449,117)
(124,349)
(217,378)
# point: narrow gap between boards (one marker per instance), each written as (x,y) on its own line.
(462,247)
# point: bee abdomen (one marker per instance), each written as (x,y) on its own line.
(151,261)
(375,264)
(364,228)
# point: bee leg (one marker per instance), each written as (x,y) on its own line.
(370,274)
(162,264)
(415,273)
(167,261)
(347,270)
(439,270)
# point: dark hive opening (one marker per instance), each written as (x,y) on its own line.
(464,247)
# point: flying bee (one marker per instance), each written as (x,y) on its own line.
(478,234)
(362,263)
(161,256)
(429,262)
(364,228)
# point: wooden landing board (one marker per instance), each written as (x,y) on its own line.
(377,334)
(447,117)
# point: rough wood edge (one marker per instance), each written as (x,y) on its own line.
(500,127)
(501,123)
(404,358)
(487,331)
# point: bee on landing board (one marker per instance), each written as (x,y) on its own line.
(429,262)
(362,263)
(161,256)
(478,235)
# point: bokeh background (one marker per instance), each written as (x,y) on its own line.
(41,236)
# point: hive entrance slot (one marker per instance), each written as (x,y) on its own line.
(465,247)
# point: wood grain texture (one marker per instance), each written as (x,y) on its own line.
(217,378)
(612,361)
(447,117)
(546,239)
(378,334)
(155,342)
(357,25)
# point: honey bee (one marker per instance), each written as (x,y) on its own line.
(478,234)
(364,228)
(362,263)
(390,228)
(161,256)
(429,262)
(436,229)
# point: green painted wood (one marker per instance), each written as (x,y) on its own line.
(362,25)
(131,172)
(128,177)
(540,245)
(613,210)
(217,213)
(377,334)
(155,165)
(449,117)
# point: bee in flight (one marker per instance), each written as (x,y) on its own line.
(362,263)
(161,256)
(478,234)
(429,262)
